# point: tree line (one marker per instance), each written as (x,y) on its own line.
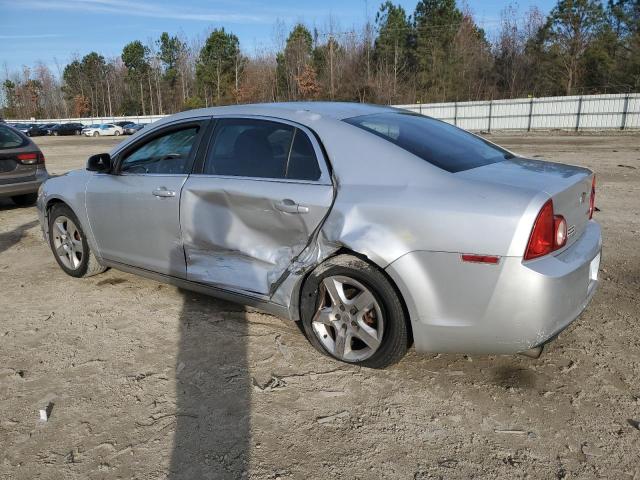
(436,53)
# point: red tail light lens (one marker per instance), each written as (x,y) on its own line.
(549,233)
(592,198)
(30,158)
(541,240)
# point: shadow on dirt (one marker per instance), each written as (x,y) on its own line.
(9,239)
(510,376)
(212,436)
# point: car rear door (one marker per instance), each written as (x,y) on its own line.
(252,207)
(134,211)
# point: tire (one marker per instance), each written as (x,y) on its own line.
(55,134)
(375,335)
(25,200)
(95,134)
(76,259)
(117,133)
(78,132)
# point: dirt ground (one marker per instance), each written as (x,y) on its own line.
(148,381)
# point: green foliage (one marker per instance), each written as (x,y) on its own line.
(193,102)
(134,56)
(393,43)
(293,61)
(216,66)
(171,49)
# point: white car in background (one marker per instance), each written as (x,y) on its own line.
(102,129)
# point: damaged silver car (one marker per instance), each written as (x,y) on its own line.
(374,227)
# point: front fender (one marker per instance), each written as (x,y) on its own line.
(69,189)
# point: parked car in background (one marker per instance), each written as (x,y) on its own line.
(370,225)
(123,123)
(132,128)
(22,167)
(30,129)
(73,128)
(48,128)
(103,129)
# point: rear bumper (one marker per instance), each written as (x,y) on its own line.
(21,188)
(505,308)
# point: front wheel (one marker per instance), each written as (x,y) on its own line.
(69,244)
(117,133)
(351,312)
(95,134)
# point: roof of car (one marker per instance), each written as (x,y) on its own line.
(289,110)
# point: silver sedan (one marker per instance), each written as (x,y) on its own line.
(374,227)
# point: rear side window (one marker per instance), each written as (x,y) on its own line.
(261,149)
(167,154)
(303,164)
(10,139)
(439,143)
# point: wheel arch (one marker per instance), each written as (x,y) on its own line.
(344,250)
(51,202)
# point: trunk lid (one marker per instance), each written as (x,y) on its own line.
(568,186)
(12,170)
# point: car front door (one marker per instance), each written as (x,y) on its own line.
(134,211)
(253,205)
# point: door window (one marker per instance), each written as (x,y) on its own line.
(166,154)
(262,149)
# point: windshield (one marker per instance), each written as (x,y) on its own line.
(437,142)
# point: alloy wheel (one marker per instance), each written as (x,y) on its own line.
(67,242)
(348,321)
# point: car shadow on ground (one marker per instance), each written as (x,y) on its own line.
(212,433)
(12,237)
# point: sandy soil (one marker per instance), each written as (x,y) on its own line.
(148,381)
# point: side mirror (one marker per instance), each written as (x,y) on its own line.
(100,163)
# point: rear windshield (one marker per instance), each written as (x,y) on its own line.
(10,139)
(437,142)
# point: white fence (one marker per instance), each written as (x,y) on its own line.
(584,112)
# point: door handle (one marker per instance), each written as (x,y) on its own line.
(289,206)
(163,192)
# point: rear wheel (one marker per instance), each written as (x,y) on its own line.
(95,134)
(78,132)
(117,133)
(55,134)
(350,311)
(69,244)
(25,200)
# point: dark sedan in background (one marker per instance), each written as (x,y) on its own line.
(48,127)
(30,129)
(22,168)
(67,129)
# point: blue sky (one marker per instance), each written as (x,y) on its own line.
(55,30)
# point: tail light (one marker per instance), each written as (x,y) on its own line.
(592,198)
(32,158)
(549,233)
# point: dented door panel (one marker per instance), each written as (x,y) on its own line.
(242,234)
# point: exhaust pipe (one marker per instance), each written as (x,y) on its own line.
(534,352)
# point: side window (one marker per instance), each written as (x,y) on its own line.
(303,164)
(249,148)
(10,139)
(167,154)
